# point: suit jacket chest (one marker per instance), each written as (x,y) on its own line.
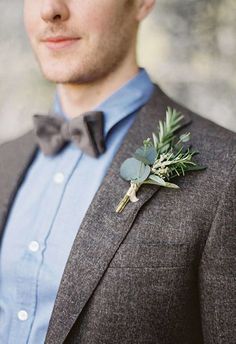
(103,231)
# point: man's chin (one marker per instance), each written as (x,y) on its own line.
(56,79)
(65,76)
(58,76)
(66,72)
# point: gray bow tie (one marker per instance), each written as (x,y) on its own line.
(86,131)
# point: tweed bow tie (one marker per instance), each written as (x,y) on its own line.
(86,131)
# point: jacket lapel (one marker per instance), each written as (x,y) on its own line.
(102,229)
(15,157)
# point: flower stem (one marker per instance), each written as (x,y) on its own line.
(122,204)
(129,196)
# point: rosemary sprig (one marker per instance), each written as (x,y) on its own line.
(164,139)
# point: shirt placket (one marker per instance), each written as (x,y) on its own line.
(32,258)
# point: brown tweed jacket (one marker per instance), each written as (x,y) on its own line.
(163,270)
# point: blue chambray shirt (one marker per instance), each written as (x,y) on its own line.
(46,215)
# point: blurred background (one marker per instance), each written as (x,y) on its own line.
(187,46)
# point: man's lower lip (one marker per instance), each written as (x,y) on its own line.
(61,44)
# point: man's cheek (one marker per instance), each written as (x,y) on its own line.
(29,27)
(97,21)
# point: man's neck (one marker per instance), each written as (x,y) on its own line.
(79,98)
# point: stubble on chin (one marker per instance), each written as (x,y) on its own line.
(85,69)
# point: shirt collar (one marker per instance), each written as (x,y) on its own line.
(123,102)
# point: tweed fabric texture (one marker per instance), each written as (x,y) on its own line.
(164,270)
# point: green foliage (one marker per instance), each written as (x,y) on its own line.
(156,180)
(163,140)
(146,154)
(135,170)
(162,158)
(158,161)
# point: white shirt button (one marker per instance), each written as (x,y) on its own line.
(22,315)
(33,246)
(58,177)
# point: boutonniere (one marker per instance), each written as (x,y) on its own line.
(159,160)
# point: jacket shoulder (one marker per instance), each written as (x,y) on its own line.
(19,141)
(215,141)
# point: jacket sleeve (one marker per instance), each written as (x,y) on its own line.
(217,271)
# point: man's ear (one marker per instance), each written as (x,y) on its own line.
(144,7)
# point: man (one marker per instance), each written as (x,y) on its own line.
(73,270)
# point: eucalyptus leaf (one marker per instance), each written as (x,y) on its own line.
(167,184)
(157,179)
(171,185)
(149,181)
(146,155)
(141,158)
(144,173)
(135,170)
